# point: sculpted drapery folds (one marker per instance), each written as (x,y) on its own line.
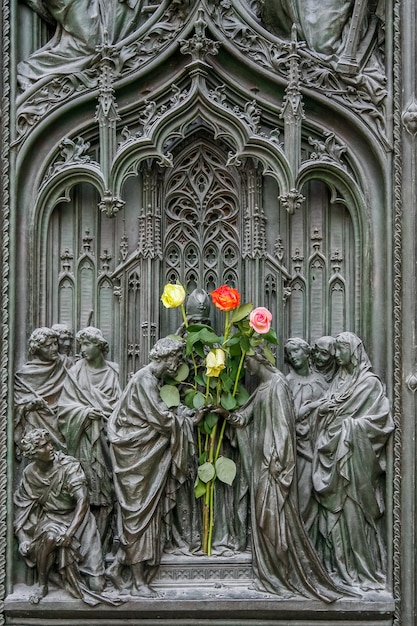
(150,453)
(89,396)
(38,385)
(306,385)
(284,559)
(53,522)
(323,25)
(81,26)
(354,423)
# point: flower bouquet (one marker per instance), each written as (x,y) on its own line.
(212,383)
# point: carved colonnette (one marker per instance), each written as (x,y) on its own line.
(104,208)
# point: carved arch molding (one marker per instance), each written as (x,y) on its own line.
(212,143)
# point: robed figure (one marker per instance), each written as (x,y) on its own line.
(38,385)
(284,559)
(150,456)
(53,522)
(353,427)
(90,393)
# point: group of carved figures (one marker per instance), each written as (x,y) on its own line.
(103,471)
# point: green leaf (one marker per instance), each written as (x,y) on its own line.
(199,400)
(193,328)
(177,337)
(206,472)
(269,355)
(188,400)
(271,336)
(199,488)
(207,429)
(234,339)
(241,312)
(204,336)
(211,419)
(202,458)
(182,373)
(228,402)
(242,395)
(225,470)
(170,395)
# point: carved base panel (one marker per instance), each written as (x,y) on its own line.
(200,607)
(198,591)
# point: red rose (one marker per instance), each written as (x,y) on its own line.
(225,298)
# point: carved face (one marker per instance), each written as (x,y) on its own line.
(64,343)
(343,353)
(44,451)
(296,356)
(89,351)
(171,363)
(322,357)
(48,351)
(252,365)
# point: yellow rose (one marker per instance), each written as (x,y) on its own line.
(173,296)
(215,362)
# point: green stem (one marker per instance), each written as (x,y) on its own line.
(208,516)
(226,327)
(207,389)
(199,443)
(219,443)
(239,369)
(211,519)
(184,316)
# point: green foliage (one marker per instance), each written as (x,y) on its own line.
(225,470)
(170,395)
(206,472)
(200,488)
(211,383)
(182,373)
(228,401)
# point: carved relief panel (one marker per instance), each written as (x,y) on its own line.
(208,143)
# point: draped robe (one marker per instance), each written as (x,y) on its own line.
(81,26)
(149,451)
(284,559)
(83,390)
(348,475)
(45,502)
(39,380)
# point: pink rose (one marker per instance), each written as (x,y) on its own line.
(260,320)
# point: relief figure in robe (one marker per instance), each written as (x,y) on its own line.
(305,385)
(284,559)
(38,385)
(81,26)
(150,458)
(326,26)
(89,396)
(353,426)
(55,528)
